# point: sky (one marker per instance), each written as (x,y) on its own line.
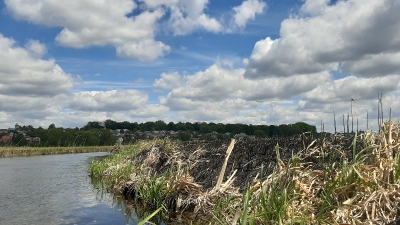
(237,61)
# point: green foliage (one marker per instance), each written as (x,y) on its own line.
(259,133)
(184,135)
(19,140)
(96,133)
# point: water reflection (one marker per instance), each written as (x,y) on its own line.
(126,206)
(56,189)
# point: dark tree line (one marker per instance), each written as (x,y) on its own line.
(53,136)
(99,133)
(258,130)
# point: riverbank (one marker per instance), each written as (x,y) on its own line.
(9,151)
(338,179)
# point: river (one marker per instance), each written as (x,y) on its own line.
(55,189)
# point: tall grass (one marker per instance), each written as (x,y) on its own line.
(9,151)
(360,186)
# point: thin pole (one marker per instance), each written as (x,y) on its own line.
(351,111)
(347,122)
(367,118)
(334,120)
(379,116)
(381,107)
(321,127)
(344,127)
(357,126)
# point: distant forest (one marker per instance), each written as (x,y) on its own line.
(101,133)
(202,127)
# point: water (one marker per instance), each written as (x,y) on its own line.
(56,190)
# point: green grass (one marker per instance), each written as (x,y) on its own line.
(33,151)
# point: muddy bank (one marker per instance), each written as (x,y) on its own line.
(249,157)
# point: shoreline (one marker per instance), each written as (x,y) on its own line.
(6,152)
(336,179)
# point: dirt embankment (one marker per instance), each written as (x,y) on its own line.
(250,157)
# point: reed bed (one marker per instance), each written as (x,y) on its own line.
(321,184)
(32,151)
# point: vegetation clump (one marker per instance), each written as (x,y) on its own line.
(328,181)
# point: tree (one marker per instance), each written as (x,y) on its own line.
(259,133)
(19,140)
(184,135)
(160,125)
(205,128)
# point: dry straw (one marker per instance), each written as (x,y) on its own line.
(322,184)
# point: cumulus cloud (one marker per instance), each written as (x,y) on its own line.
(145,50)
(150,111)
(158,3)
(221,93)
(374,65)
(87,23)
(115,100)
(189,15)
(219,82)
(247,11)
(36,48)
(324,35)
(342,90)
(168,81)
(24,74)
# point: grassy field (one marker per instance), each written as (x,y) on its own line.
(9,151)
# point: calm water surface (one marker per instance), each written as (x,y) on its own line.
(55,189)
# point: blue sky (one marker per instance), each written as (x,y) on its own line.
(241,61)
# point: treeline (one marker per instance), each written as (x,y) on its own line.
(258,130)
(68,137)
(99,133)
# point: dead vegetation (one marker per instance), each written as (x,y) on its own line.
(339,179)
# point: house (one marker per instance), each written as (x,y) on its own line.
(35,139)
(6,139)
(3,130)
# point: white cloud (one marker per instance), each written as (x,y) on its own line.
(219,82)
(168,81)
(36,48)
(374,65)
(342,90)
(145,50)
(247,11)
(188,16)
(158,3)
(87,23)
(111,101)
(326,35)
(24,74)
(150,111)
